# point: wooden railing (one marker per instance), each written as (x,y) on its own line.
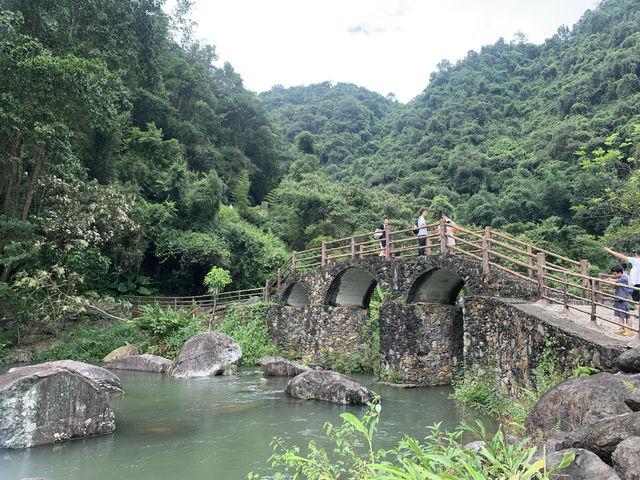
(560,280)
(199,303)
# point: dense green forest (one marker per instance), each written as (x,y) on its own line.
(495,136)
(122,145)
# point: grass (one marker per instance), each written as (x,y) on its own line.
(92,343)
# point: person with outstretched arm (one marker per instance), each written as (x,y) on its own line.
(635,270)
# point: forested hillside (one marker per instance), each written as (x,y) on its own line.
(121,145)
(119,140)
(496,134)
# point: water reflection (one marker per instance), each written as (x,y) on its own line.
(217,428)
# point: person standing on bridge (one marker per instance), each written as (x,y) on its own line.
(450,229)
(620,303)
(381,234)
(422,231)
(635,270)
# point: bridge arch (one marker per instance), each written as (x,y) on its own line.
(351,287)
(295,295)
(438,285)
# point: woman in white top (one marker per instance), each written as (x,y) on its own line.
(450,229)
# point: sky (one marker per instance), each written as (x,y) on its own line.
(386,46)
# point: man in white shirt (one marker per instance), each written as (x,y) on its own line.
(422,232)
(635,270)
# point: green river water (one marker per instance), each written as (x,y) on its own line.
(217,428)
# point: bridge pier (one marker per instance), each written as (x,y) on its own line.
(321,333)
(423,341)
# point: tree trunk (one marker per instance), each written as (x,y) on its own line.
(6,271)
(4,276)
(16,152)
(32,184)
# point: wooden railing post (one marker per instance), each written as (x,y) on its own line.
(486,248)
(293,262)
(323,254)
(353,248)
(361,251)
(530,260)
(598,291)
(279,280)
(429,246)
(265,293)
(565,293)
(443,237)
(584,270)
(389,246)
(593,322)
(541,273)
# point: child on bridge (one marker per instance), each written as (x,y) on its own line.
(620,302)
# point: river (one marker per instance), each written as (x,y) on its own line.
(217,428)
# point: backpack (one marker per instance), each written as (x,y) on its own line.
(416,230)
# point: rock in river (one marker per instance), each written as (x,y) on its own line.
(330,387)
(103,378)
(278,366)
(206,354)
(49,403)
(122,352)
(142,363)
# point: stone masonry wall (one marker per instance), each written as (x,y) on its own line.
(423,341)
(318,331)
(508,337)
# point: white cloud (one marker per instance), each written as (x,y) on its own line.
(382,45)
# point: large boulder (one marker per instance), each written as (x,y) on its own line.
(626,458)
(103,378)
(278,366)
(633,400)
(49,404)
(142,363)
(206,354)
(122,352)
(580,401)
(328,386)
(585,466)
(602,437)
(629,361)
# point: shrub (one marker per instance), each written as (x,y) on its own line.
(169,345)
(440,456)
(168,328)
(250,333)
(477,390)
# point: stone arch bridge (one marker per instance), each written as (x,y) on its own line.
(426,333)
(324,314)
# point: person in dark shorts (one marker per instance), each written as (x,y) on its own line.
(635,270)
(381,234)
(620,302)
